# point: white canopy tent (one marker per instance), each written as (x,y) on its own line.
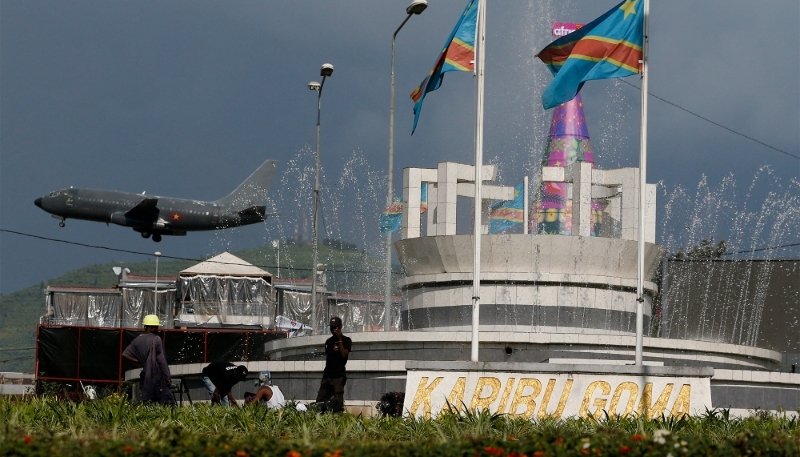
(225,291)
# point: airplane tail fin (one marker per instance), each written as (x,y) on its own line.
(253,191)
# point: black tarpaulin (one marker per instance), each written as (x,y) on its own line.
(99,354)
(184,347)
(58,352)
(226,346)
(256,342)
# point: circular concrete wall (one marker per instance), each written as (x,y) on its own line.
(529,283)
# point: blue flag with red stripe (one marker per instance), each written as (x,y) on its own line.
(458,54)
(506,214)
(608,47)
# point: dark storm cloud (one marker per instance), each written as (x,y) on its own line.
(187,98)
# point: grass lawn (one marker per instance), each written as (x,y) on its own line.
(116,426)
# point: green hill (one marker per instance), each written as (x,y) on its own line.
(348,271)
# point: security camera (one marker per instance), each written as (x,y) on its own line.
(326,70)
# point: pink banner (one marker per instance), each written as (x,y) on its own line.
(564,28)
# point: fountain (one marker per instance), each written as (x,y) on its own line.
(557,310)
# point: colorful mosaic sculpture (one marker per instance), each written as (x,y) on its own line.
(567,143)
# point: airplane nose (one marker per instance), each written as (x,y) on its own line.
(38,202)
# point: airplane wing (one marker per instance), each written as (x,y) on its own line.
(146,210)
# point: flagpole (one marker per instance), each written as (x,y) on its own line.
(525,206)
(642,192)
(480,54)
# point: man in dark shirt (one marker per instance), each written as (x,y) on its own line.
(219,378)
(337,348)
(148,351)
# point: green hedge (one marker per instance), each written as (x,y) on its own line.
(116,426)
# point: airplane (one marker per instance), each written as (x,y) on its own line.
(151,215)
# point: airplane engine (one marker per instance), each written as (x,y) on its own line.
(119,219)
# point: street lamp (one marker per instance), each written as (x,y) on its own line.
(155,297)
(416,7)
(277,245)
(325,71)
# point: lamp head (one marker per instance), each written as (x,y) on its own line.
(326,70)
(158,254)
(417,7)
(117,270)
(313,85)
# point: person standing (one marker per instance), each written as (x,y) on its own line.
(148,351)
(219,378)
(334,377)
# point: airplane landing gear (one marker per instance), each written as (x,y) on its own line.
(62,224)
(145,234)
(157,237)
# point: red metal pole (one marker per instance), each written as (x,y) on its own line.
(79,352)
(205,346)
(36,361)
(119,363)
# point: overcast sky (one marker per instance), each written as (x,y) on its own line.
(187,98)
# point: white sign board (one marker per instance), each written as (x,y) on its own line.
(558,395)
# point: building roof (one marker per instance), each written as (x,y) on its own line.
(82,289)
(225,264)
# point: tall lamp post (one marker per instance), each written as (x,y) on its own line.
(155,297)
(325,71)
(277,245)
(416,7)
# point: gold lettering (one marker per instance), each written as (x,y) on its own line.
(483,402)
(562,402)
(682,405)
(456,398)
(506,393)
(633,394)
(647,408)
(528,400)
(599,402)
(546,399)
(423,396)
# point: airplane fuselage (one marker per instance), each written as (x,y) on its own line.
(169,216)
(156,216)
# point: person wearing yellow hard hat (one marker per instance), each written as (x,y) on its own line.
(148,351)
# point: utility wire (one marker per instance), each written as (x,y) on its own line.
(18,349)
(148,254)
(712,122)
(768,248)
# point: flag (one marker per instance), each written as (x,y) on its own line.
(505,214)
(608,47)
(423,199)
(392,217)
(458,54)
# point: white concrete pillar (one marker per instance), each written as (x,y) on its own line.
(581,173)
(447,197)
(411,198)
(430,218)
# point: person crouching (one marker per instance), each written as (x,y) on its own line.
(219,378)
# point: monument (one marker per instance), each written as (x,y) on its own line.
(557,320)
